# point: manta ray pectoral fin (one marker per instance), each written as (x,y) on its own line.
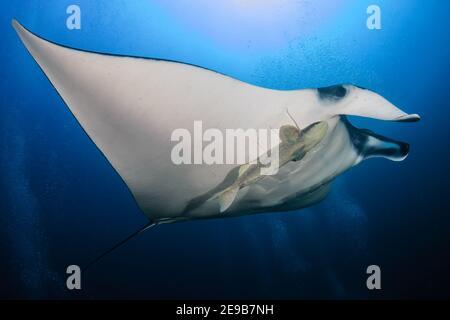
(131,106)
(227,197)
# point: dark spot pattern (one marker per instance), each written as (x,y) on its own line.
(332,93)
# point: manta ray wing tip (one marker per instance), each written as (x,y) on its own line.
(15,24)
(20,29)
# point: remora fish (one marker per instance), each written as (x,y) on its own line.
(293,147)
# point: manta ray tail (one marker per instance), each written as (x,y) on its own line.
(119,244)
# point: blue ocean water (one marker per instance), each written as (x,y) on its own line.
(61,203)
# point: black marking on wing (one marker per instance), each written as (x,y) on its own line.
(332,93)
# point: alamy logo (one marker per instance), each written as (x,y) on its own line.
(234,146)
(74,20)
(374,20)
(374,280)
(74,279)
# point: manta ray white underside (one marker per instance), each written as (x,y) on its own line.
(130,106)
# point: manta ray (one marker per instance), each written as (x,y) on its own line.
(129,106)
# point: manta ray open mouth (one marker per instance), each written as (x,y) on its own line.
(370,144)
